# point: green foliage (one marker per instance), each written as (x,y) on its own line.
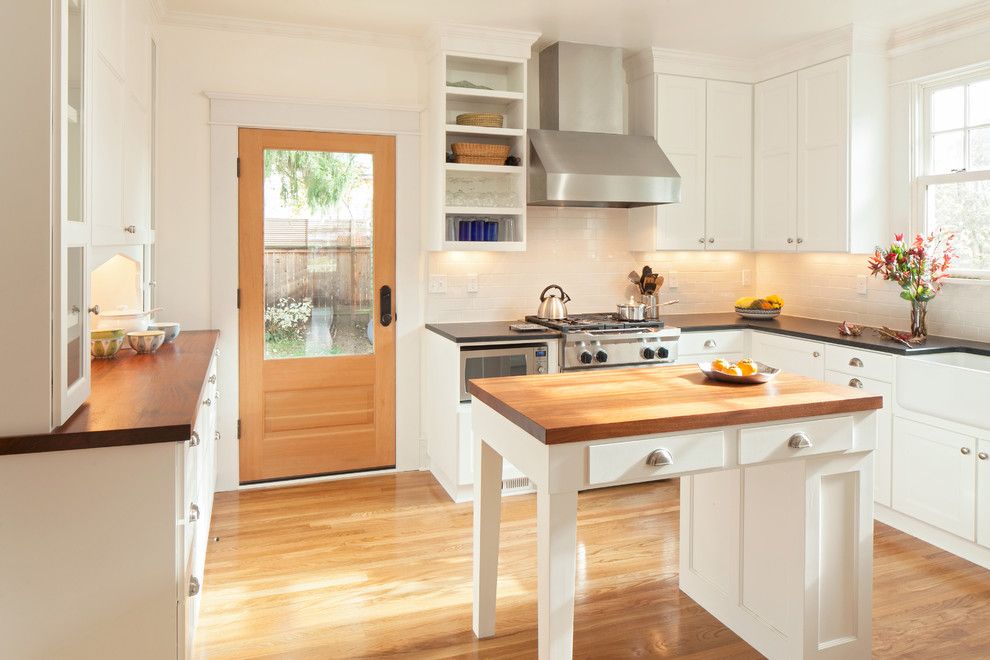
(287,319)
(964,210)
(315,179)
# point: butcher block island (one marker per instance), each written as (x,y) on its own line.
(776,495)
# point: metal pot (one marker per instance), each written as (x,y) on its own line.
(631,311)
(552,307)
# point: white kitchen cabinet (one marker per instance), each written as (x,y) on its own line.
(983,491)
(136,209)
(137,47)
(705,129)
(707,345)
(881,455)
(823,157)
(775,163)
(108,17)
(729,166)
(107,162)
(934,476)
(818,184)
(798,356)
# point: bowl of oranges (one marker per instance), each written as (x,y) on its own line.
(743,371)
(759,308)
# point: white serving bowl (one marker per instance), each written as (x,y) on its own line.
(147,341)
(171,330)
(128,320)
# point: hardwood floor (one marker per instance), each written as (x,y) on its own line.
(381,566)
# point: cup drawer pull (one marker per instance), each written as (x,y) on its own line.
(855,362)
(193,586)
(660,458)
(800,441)
(194,439)
(856,382)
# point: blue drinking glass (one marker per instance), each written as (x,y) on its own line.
(464,230)
(477,229)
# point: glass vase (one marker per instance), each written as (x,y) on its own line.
(919,319)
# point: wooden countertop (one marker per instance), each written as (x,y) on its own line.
(613,403)
(135,399)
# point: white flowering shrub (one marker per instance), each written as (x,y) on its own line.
(287,319)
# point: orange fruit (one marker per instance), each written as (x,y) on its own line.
(733,371)
(747,368)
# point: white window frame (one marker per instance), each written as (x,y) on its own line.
(923,151)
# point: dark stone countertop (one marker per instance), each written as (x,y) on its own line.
(794,326)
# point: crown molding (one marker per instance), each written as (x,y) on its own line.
(275,28)
(686,63)
(941,28)
(480,40)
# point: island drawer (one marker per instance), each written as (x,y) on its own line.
(631,461)
(712,343)
(795,440)
(857,362)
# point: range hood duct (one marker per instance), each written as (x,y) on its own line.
(580,156)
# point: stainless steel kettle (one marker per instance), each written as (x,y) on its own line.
(552,307)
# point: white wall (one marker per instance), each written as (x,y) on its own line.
(586,252)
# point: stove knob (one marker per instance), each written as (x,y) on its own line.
(586,358)
(649,353)
(601,356)
(663,353)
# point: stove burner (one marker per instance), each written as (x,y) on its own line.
(602,321)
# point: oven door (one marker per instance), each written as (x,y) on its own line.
(495,361)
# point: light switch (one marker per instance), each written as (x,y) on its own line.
(861,284)
(672,282)
(472,283)
(745,277)
(438,284)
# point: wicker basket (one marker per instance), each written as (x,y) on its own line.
(478,150)
(479,160)
(486,119)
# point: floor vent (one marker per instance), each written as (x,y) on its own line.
(516,483)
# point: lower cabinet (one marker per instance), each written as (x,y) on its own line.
(704,346)
(934,476)
(881,456)
(983,491)
(797,356)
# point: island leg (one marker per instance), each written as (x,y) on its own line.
(556,545)
(487,515)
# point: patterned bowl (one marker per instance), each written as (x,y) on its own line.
(105,347)
(764,374)
(760,314)
(171,330)
(147,341)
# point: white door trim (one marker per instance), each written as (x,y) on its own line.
(228,113)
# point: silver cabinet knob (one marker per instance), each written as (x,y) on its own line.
(816,354)
(193,513)
(194,440)
(855,362)
(856,382)
(659,458)
(800,240)
(982,456)
(964,451)
(217,352)
(790,240)
(130,229)
(800,440)
(213,379)
(193,586)
(216,436)
(711,343)
(207,402)
(711,240)
(95,309)
(701,240)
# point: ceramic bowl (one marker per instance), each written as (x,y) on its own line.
(761,314)
(147,341)
(105,347)
(171,330)
(764,374)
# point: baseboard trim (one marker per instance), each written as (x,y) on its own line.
(958,546)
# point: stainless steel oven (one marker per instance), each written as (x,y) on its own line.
(501,360)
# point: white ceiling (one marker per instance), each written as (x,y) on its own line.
(742,28)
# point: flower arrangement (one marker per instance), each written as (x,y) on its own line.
(287,319)
(919,268)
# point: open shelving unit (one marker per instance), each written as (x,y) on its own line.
(459,192)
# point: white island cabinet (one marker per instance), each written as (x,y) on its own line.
(776,507)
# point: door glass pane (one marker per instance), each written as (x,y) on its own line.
(74,115)
(319,286)
(74,318)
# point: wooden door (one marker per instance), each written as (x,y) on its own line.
(823,157)
(681,135)
(775,164)
(933,479)
(729,168)
(317,291)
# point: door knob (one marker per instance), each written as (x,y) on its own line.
(800,440)
(659,458)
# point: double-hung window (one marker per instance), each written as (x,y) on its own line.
(955,167)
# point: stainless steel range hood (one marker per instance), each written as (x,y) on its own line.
(580,156)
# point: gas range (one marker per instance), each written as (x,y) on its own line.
(604,340)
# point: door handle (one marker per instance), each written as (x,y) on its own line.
(385,305)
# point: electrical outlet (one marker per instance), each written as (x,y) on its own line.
(472,283)
(746,278)
(861,283)
(672,282)
(438,284)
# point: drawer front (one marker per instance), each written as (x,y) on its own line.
(697,359)
(855,362)
(712,342)
(773,443)
(628,461)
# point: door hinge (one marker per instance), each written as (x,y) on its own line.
(238,429)
(238,299)
(238,167)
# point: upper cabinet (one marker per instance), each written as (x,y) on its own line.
(819,149)
(705,129)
